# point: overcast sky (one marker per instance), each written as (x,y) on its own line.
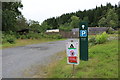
(39,10)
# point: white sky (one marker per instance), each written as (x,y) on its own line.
(39,10)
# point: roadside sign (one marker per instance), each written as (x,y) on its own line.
(83,34)
(72,52)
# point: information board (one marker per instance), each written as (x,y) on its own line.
(72,52)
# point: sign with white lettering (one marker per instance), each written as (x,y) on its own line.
(72,52)
(83,33)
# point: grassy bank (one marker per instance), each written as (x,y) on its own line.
(103,63)
(22,42)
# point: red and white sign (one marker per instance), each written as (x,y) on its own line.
(72,52)
(72,59)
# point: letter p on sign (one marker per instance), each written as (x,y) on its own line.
(83,33)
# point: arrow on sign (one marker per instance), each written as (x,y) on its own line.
(83,26)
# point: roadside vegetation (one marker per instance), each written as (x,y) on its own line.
(15,27)
(103,48)
(102,63)
(14,39)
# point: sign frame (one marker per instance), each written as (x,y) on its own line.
(72,59)
(83,41)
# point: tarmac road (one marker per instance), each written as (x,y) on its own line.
(16,60)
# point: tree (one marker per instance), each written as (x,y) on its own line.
(102,22)
(92,16)
(75,22)
(21,23)
(34,26)
(110,19)
(45,26)
(65,27)
(85,19)
(10,13)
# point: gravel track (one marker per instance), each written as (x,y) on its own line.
(16,60)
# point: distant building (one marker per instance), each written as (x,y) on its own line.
(93,30)
(53,30)
(97,30)
(75,30)
(74,33)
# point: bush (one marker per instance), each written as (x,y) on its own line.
(23,37)
(31,35)
(101,38)
(56,36)
(92,41)
(52,36)
(110,31)
(115,32)
(8,38)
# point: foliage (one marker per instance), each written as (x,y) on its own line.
(98,39)
(8,38)
(92,41)
(102,22)
(21,23)
(110,19)
(101,38)
(12,36)
(65,27)
(110,31)
(75,22)
(45,26)
(103,63)
(85,19)
(10,13)
(52,36)
(92,16)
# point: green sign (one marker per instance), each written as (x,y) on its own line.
(83,34)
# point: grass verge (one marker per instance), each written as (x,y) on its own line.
(102,63)
(23,42)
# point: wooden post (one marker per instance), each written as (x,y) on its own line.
(73,66)
(73,70)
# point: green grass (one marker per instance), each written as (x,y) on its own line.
(102,63)
(109,35)
(22,42)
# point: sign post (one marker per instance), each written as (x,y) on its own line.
(72,50)
(72,53)
(83,34)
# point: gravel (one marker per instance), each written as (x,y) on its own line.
(16,60)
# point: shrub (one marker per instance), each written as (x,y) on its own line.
(119,31)
(32,35)
(4,40)
(115,32)
(92,41)
(8,38)
(23,36)
(110,31)
(53,36)
(101,38)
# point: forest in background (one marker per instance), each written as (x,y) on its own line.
(103,16)
(13,22)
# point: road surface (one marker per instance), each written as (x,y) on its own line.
(16,60)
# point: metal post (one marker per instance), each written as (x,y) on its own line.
(73,66)
(73,70)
